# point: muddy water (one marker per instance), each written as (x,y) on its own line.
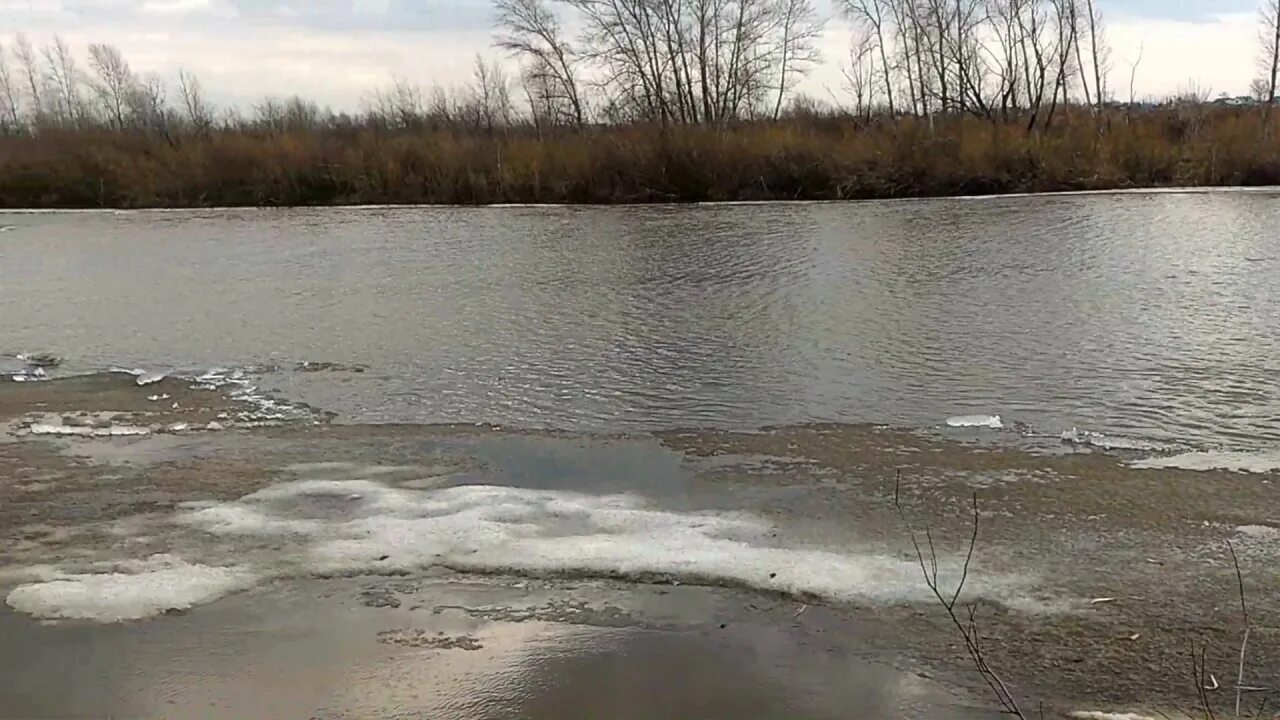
(320,650)
(313,569)
(112,609)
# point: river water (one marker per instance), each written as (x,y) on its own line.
(1150,318)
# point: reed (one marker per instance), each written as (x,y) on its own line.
(801,157)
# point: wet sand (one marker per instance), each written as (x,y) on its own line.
(440,643)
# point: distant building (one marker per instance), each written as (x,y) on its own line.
(1238,101)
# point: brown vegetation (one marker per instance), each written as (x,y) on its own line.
(796,158)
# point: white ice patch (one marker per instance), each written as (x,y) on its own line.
(131,591)
(340,527)
(33,374)
(1247,462)
(1097,715)
(150,378)
(86,431)
(984,421)
(347,527)
(263,411)
(1259,532)
(1076,436)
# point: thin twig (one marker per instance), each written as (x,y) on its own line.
(972,638)
(973,543)
(897,503)
(933,557)
(1244,612)
(1198,672)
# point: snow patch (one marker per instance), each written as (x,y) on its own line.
(1245,462)
(338,527)
(1096,715)
(33,374)
(1076,436)
(337,519)
(1259,532)
(347,527)
(131,591)
(263,411)
(983,421)
(45,428)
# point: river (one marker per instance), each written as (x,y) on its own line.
(1146,318)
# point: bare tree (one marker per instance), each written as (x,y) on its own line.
(1006,29)
(1038,48)
(539,95)
(1133,80)
(908,42)
(10,97)
(1066,26)
(530,29)
(269,114)
(620,36)
(799,28)
(66,79)
(199,113)
(1270,35)
(302,114)
(149,105)
(1100,52)
(689,60)
(1081,66)
(439,107)
(398,107)
(490,101)
(860,73)
(116,83)
(873,14)
(30,67)
(1192,93)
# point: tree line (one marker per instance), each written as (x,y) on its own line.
(705,62)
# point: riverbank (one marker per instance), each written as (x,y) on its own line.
(804,158)
(491,560)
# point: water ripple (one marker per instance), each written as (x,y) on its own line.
(1152,317)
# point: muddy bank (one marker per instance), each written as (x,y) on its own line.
(787,537)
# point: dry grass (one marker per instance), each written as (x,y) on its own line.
(798,158)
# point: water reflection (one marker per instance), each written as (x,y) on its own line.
(647,675)
(301,655)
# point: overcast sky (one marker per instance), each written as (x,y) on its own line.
(336,51)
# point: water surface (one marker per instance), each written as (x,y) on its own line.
(1149,316)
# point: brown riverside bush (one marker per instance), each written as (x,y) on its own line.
(796,158)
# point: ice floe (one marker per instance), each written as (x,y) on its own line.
(976,421)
